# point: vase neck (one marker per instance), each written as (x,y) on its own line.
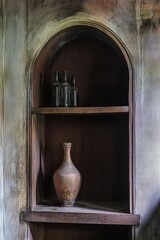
(67,151)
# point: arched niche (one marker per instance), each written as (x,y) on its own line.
(102,66)
(95,56)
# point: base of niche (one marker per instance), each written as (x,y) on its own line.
(81,213)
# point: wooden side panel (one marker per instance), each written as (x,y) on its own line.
(37,160)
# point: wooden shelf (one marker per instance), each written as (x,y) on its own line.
(80,110)
(79,216)
(82,213)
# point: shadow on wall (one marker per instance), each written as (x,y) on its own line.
(61,9)
(151,230)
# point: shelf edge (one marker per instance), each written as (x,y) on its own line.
(81,218)
(81,110)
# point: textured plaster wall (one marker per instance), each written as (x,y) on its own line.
(25,26)
(56,13)
(1,123)
(13,120)
(147,151)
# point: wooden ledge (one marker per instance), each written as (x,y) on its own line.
(81,110)
(76,217)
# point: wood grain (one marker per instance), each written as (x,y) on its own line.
(81,218)
(80,110)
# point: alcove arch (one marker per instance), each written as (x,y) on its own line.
(96,42)
(101,63)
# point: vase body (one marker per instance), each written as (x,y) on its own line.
(67,179)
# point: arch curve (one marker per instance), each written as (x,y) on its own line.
(69,32)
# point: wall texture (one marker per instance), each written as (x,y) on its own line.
(147,153)
(13,116)
(1,120)
(25,26)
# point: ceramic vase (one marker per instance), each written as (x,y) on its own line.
(67,179)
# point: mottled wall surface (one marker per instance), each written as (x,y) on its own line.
(147,151)
(1,121)
(47,17)
(26,26)
(14,87)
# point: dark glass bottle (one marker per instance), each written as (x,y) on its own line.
(65,91)
(74,93)
(55,93)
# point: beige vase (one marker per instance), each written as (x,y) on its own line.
(67,179)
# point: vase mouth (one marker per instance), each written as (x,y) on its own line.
(67,144)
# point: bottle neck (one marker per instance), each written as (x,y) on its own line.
(65,76)
(56,76)
(73,80)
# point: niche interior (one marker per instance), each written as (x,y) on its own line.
(100,129)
